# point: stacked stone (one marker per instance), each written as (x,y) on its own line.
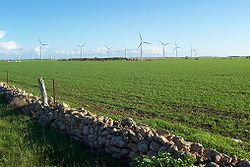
(120,139)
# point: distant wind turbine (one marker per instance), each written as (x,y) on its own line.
(125,52)
(2,53)
(176,49)
(141,44)
(195,50)
(108,50)
(163,47)
(51,53)
(40,48)
(81,48)
(19,53)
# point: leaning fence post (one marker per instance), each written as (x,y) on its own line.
(43,94)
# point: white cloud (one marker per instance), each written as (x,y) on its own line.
(11,45)
(2,34)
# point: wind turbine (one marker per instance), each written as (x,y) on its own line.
(19,54)
(176,49)
(2,52)
(140,45)
(40,48)
(163,47)
(195,50)
(125,52)
(108,49)
(81,48)
(50,53)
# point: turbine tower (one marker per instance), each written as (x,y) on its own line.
(108,50)
(81,48)
(40,48)
(140,45)
(19,53)
(51,53)
(176,49)
(2,53)
(193,50)
(163,47)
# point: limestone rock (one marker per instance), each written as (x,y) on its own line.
(118,141)
(197,147)
(154,146)
(211,154)
(128,122)
(76,132)
(133,146)
(143,146)
(244,163)
(18,102)
(85,130)
(212,164)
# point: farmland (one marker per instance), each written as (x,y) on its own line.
(205,100)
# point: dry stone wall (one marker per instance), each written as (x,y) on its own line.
(121,139)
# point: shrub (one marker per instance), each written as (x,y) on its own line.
(164,160)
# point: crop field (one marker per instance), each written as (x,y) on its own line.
(205,100)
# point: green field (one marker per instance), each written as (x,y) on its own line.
(205,100)
(24,143)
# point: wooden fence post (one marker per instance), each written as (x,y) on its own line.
(43,94)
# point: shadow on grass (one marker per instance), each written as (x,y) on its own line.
(60,150)
(50,148)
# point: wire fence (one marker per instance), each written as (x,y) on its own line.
(11,78)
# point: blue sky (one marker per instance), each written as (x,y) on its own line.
(215,27)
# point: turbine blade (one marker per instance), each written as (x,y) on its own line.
(140,36)
(161,42)
(139,46)
(39,40)
(147,43)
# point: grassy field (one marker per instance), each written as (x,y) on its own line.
(205,100)
(24,143)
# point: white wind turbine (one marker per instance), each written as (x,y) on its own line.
(51,51)
(176,49)
(163,47)
(126,52)
(19,53)
(108,50)
(195,50)
(40,48)
(140,45)
(2,52)
(81,48)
